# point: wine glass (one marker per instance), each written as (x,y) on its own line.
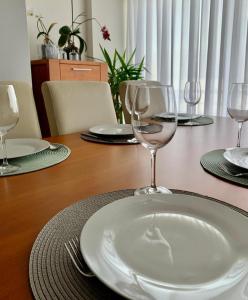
(9,116)
(192,96)
(237,106)
(154,121)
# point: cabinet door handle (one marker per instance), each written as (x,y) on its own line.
(81,69)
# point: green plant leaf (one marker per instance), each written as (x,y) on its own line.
(147,70)
(114,60)
(63,39)
(82,43)
(41,33)
(122,61)
(65,30)
(124,55)
(131,57)
(140,67)
(107,59)
(50,27)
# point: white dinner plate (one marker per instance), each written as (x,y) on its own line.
(175,246)
(237,156)
(22,147)
(186,117)
(119,129)
(182,116)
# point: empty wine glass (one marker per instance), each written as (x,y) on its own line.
(192,96)
(237,106)
(9,115)
(154,121)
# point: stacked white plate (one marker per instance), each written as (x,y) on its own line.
(237,157)
(167,247)
(181,117)
(113,130)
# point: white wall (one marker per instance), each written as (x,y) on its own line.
(14,50)
(58,11)
(111,14)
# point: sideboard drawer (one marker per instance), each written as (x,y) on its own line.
(79,72)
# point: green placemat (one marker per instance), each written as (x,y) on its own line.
(40,160)
(211,162)
(203,120)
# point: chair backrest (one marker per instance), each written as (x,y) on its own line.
(28,124)
(73,106)
(122,91)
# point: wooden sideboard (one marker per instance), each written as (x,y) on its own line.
(58,69)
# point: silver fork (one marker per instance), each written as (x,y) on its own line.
(72,247)
(231,172)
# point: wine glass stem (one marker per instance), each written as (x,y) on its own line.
(153,168)
(191,113)
(239,133)
(3,145)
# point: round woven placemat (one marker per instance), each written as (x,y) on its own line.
(40,160)
(203,120)
(52,274)
(211,162)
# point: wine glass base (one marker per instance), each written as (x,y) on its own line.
(148,190)
(6,169)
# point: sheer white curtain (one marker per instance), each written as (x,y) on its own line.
(183,40)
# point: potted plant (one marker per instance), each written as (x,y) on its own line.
(69,33)
(49,50)
(121,68)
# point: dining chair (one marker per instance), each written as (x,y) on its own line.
(73,106)
(28,123)
(122,91)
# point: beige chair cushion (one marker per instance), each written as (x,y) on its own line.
(73,106)
(28,124)
(122,90)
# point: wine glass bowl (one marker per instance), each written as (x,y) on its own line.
(130,91)
(154,121)
(237,106)
(192,96)
(9,116)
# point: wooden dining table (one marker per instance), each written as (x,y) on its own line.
(29,201)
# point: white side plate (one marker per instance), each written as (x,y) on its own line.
(22,147)
(119,129)
(237,156)
(169,247)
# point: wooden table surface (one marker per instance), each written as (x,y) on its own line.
(29,201)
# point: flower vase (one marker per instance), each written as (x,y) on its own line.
(49,50)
